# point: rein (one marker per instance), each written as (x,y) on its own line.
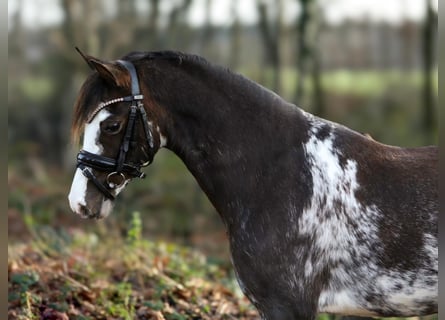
(119,168)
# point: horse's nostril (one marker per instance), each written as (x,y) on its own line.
(83,211)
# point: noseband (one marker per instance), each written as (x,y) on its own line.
(119,169)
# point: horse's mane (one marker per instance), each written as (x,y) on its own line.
(94,87)
(171,55)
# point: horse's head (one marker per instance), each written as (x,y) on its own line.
(120,135)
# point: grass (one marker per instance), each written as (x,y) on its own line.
(118,278)
(359,83)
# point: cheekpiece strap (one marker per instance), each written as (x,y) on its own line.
(135,91)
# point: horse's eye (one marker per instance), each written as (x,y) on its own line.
(111,127)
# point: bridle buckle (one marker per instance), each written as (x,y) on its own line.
(112,184)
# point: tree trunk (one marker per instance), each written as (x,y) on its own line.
(428,96)
(176,28)
(235,38)
(308,59)
(207,32)
(318,103)
(303,49)
(271,36)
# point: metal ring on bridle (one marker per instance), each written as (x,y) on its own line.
(113,185)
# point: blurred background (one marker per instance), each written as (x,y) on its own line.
(368,64)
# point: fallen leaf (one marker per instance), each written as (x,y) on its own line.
(51,314)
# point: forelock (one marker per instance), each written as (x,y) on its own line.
(88,98)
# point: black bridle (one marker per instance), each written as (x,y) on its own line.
(119,169)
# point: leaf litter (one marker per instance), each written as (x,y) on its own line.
(120,279)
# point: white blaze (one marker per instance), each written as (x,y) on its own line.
(91,144)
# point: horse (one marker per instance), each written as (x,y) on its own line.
(320,218)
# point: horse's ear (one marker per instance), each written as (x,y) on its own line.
(109,71)
(85,57)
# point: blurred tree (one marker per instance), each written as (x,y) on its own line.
(407,37)
(270,25)
(207,32)
(303,46)
(429,47)
(235,43)
(53,116)
(177,24)
(152,24)
(308,58)
(17,33)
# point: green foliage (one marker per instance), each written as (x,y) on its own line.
(37,89)
(22,284)
(176,316)
(367,84)
(25,280)
(117,277)
(134,234)
(155,305)
(118,301)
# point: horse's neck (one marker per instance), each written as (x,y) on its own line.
(229,142)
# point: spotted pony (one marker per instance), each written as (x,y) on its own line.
(320,218)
